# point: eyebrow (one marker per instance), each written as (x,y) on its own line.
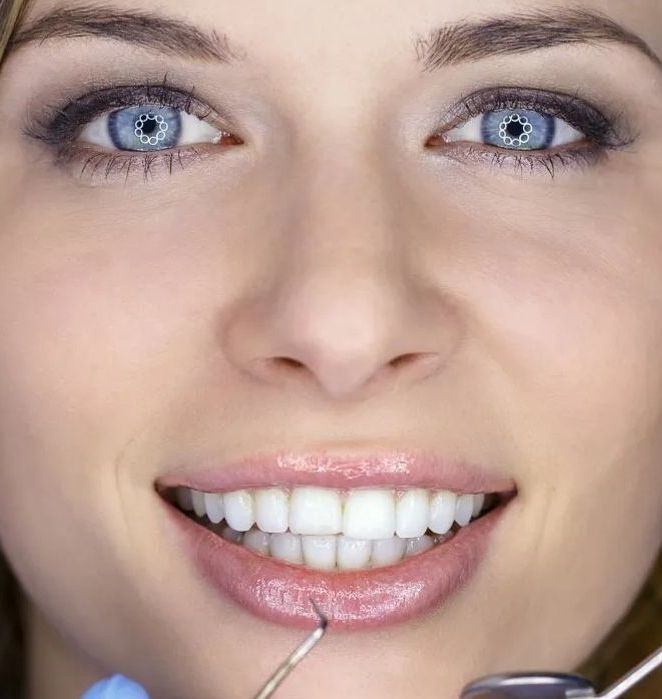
(521,33)
(449,45)
(147,29)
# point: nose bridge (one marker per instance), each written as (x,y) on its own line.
(342,303)
(341,295)
(342,214)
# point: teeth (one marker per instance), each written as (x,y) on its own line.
(369,514)
(286,547)
(198,502)
(442,511)
(233,535)
(239,510)
(479,501)
(412,513)
(257,541)
(326,529)
(385,552)
(463,509)
(214,507)
(315,511)
(319,551)
(333,552)
(353,554)
(271,510)
(418,545)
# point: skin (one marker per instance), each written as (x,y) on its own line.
(141,325)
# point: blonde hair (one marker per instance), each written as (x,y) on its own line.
(10,13)
(632,638)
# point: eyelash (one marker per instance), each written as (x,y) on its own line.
(603,133)
(58,127)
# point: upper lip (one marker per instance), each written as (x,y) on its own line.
(330,469)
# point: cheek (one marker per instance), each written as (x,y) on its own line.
(83,334)
(568,310)
(561,294)
(577,339)
(105,322)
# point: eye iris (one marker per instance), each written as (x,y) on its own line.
(515,130)
(519,130)
(150,128)
(144,128)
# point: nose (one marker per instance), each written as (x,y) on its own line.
(348,310)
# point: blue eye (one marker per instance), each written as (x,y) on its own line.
(515,129)
(518,129)
(144,128)
(148,127)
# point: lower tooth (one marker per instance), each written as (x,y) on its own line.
(440,538)
(418,545)
(330,552)
(387,551)
(233,535)
(257,541)
(353,554)
(319,551)
(286,547)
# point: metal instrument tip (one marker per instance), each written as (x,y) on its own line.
(296,656)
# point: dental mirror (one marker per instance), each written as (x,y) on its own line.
(538,685)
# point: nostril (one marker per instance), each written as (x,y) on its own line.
(289,362)
(403,359)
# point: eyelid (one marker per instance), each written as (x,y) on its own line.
(60,125)
(605,129)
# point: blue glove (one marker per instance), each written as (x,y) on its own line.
(116,687)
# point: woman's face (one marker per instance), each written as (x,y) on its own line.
(341,243)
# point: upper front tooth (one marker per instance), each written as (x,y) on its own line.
(315,511)
(239,510)
(214,507)
(198,502)
(271,510)
(464,509)
(412,513)
(479,501)
(369,514)
(442,511)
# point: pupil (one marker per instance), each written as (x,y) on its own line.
(515,129)
(149,126)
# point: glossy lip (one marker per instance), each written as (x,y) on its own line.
(422,469)
(280,592)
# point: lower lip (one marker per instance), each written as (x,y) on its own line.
(280,592)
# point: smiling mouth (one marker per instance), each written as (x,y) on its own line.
(375,538)
(327,529)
